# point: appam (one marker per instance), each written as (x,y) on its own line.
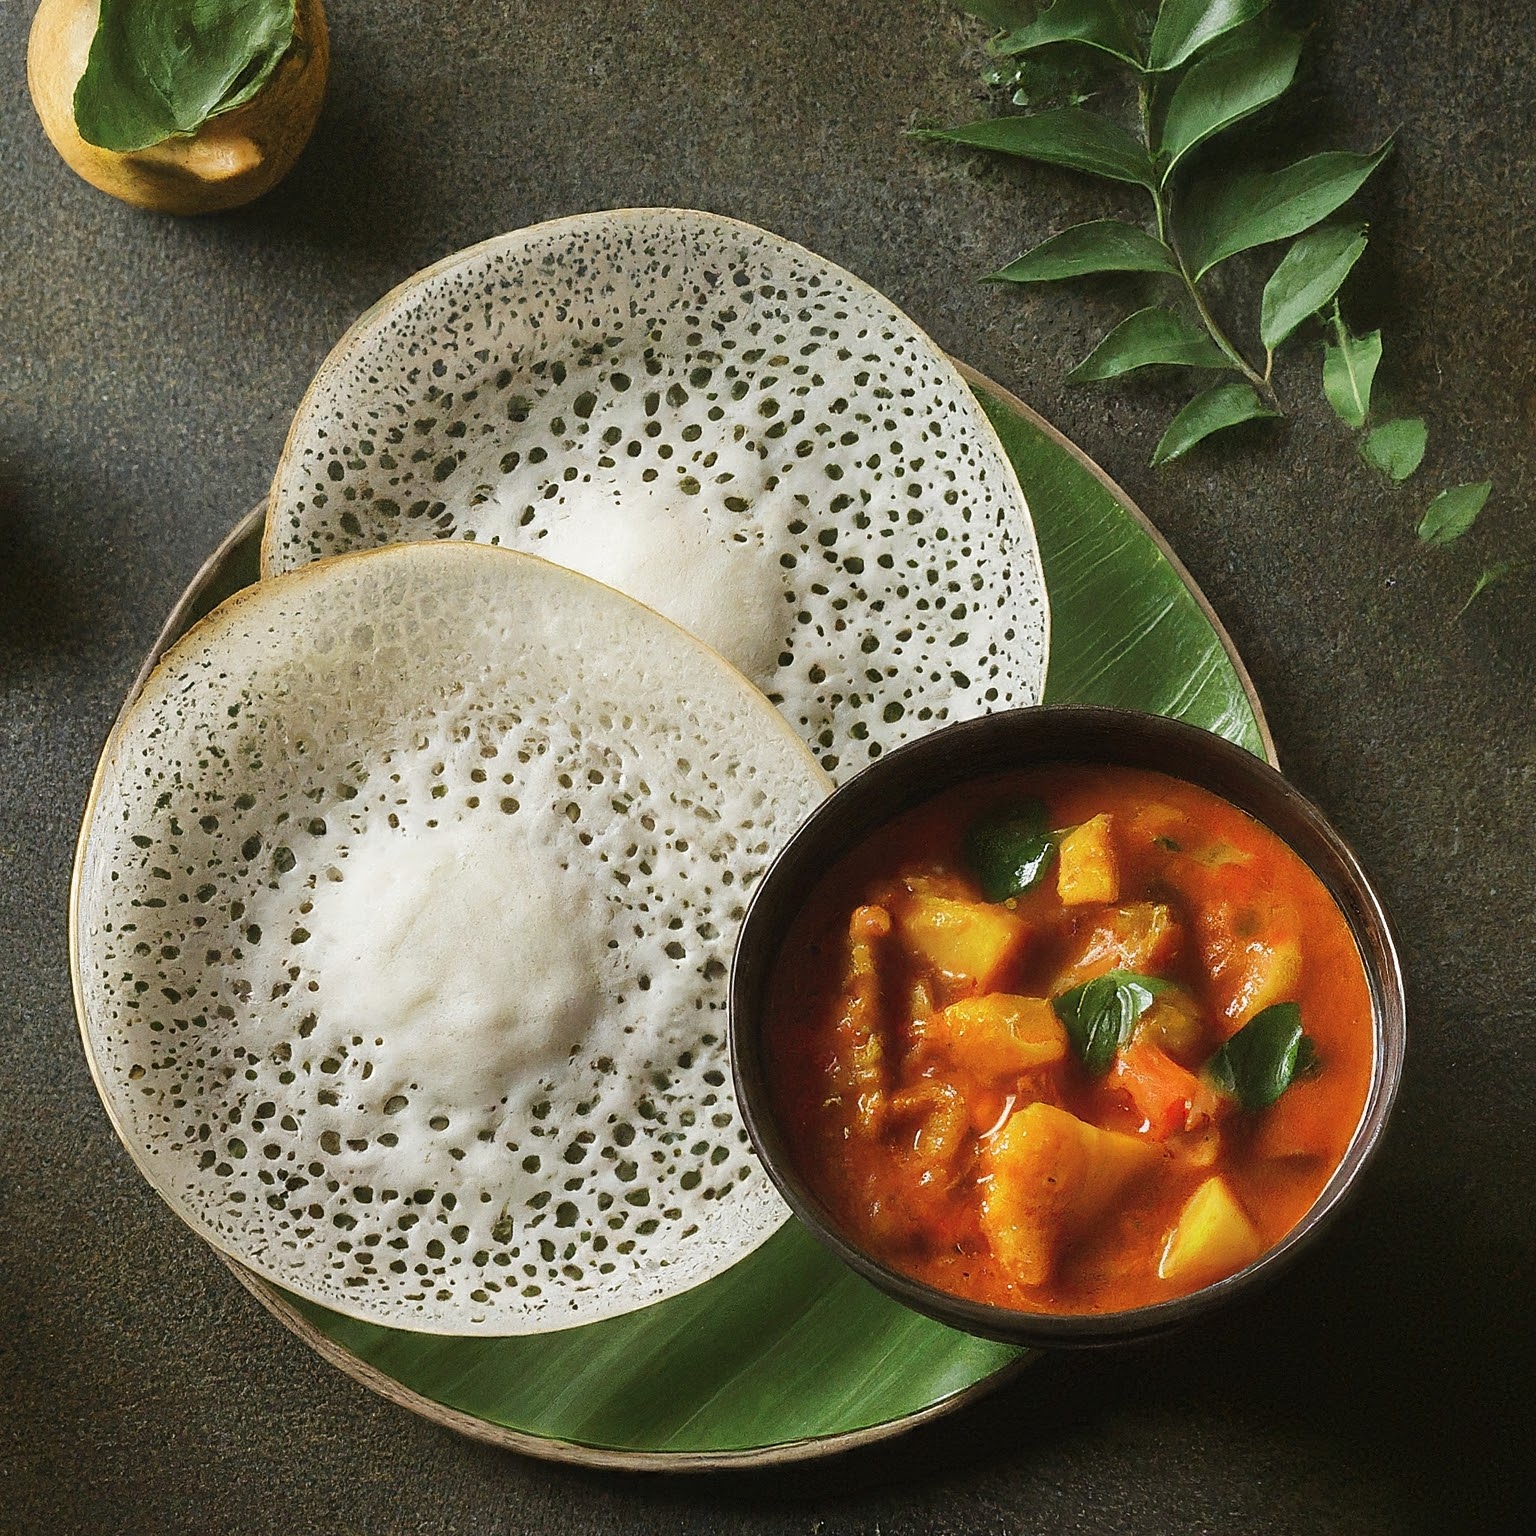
(400,928)
(716,421)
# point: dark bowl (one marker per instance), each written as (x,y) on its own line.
(995,744)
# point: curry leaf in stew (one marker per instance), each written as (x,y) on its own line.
(1264,1057)
(1099,1015)
(1010,849)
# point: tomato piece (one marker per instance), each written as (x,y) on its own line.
(1167,1096)
(967,942)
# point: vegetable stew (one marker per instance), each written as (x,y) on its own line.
(1077,1039)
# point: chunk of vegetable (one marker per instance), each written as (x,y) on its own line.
(1253,957)
(1086,867)
(997,1034)
(1141,936)
(1173,1022)
(940,1122)
(1268,974)
(861,1064)
(1048,1176)
(963,940)
(1166,825)
(1166,1096)
(1213,1237)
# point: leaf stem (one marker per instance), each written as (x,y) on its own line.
(1162,202)
(1144,106)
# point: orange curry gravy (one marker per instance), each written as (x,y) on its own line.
(935,1103)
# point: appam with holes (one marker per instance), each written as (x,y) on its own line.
(402,917)
(718,422)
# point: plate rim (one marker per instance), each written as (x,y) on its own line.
(567,1452)
(605,1458)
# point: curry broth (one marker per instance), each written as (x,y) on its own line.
(1232,888)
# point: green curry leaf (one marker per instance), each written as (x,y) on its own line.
(1453,511)
(161,68)
(1211,411)
(1309,275)
(1149,336)
(1396,447)
(1009,849)
(1259,207)
(1184,27)
(1099,1015)
(1104,245)
(1264,1057)
(1252,67)
(1100,24)
(1492,575)
(1067,136)
(1349,370)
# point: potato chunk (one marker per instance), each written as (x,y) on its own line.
(964,940)
(1267,974)
(1046,1178)
(1212,1238)
(1253,956)
(997,1034)
(1086,867)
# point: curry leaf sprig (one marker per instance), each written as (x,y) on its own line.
(1190,70)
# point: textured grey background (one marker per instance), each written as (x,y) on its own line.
(147,370)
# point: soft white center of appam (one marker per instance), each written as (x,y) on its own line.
(725,591)
(464,956)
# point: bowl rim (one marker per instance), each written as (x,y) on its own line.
(1035,736)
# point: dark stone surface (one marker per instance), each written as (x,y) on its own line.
(149,368)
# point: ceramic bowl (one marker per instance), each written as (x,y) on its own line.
(1023,738)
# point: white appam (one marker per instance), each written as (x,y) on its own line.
(717,421)
(401,924)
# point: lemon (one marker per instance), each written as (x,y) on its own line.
(233,158)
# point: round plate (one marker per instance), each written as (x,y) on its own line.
(789,1355)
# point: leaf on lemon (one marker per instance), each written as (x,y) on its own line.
(1184,27)
(1149,336)
(1240,212)
(1213,411)
(1349,370)
(1453,511)
(1309,275)
(161,68)
(1100,24)
(1396,447)
(1252,67)
(1104,245)
(1067,136)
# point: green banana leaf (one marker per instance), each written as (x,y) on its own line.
(789,1353)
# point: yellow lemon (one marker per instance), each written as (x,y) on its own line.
(233,158)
